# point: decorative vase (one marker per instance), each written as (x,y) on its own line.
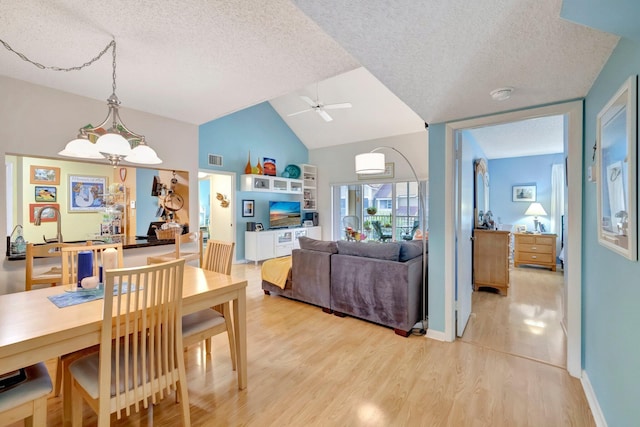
(247,168)
(259,167)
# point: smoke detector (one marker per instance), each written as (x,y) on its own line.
(501,94)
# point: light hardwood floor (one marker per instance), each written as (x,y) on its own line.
(309,368)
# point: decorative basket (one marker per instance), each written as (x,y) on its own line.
(168,234)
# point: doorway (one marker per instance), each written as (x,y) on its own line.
(572,113)
(216,208)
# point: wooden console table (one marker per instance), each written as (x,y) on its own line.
(535,249)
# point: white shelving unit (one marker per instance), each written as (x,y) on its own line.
(271,184)
(309,188)
(261,245)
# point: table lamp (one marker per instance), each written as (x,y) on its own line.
(535,209)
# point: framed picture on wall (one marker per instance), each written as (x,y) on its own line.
(248,208)
(48,215)
(524,193)
(86,193)
(44,175)
(45,193)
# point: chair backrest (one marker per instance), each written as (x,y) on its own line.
(377,228)
(70,258)
(141,335)
(351,221)
(47,250)
(192,239)
(218,256)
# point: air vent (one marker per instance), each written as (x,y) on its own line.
(215,160)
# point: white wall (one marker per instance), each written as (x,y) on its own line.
(39,121)
(336,165)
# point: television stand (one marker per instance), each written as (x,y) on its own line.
(273,243)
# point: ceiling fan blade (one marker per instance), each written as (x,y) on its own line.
(324,115)
(299,112)
(309,101)
(337,106)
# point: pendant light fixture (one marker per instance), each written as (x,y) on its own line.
(111,139)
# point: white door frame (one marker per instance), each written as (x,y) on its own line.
(573,268)
(231,196)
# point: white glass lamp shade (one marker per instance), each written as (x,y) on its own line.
(113,144)
(535,209)
(143,155)
(369,163)
(81,148)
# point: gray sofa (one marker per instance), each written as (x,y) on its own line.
(378,282)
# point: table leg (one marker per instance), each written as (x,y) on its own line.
(240,325)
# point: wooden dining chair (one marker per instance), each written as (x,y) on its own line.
(27,399)
(52,276)
(140,357)
(192,239)
(204,324)
(69,255)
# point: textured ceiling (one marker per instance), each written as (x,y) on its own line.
(442,58)
(532,137)
(190,60)
(196,60)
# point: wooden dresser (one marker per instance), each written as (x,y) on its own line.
(491,260)
(535,249)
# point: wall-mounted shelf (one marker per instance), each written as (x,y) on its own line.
(309,189)
(271,184)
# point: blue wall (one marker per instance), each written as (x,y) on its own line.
(611,290)
(261,131)
(530,170)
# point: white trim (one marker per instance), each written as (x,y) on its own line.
(436,335)
(574,111)
(594,405)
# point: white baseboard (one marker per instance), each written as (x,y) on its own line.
(436,335)
(598,416)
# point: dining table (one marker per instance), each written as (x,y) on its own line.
(33,329)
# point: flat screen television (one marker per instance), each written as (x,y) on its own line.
(284,214)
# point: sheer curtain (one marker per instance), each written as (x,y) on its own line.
(557,202)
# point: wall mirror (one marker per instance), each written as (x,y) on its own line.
(481,191)
(616,141)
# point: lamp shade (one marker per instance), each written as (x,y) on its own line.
(114,144)
(143,155)
(370,163)
(81,148)
(535,209)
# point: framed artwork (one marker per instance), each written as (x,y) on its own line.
(86,193)
(248,208)
(269,166)
(48,215)
(45,194)
(389,172)
(616,170)
(44,175)
(521,228)
(524,193)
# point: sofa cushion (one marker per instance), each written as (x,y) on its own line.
(386,251)
(318,245)
(410,250)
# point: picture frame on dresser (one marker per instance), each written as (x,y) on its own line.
(616,166)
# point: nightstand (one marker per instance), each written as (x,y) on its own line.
(535,249)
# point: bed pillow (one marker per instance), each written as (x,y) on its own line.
(318,245)
(389,251)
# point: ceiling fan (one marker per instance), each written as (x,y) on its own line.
(319,107)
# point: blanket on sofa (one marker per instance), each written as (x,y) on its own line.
(276,271)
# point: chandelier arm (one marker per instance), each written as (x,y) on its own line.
(116,114)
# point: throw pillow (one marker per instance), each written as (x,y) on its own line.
(386,251)
(318,245)
(410,249)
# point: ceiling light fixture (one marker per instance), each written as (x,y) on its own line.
(501,94)
(111,139)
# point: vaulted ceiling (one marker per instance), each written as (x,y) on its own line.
(424,61)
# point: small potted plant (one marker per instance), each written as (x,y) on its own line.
(367,225)
(372,210)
